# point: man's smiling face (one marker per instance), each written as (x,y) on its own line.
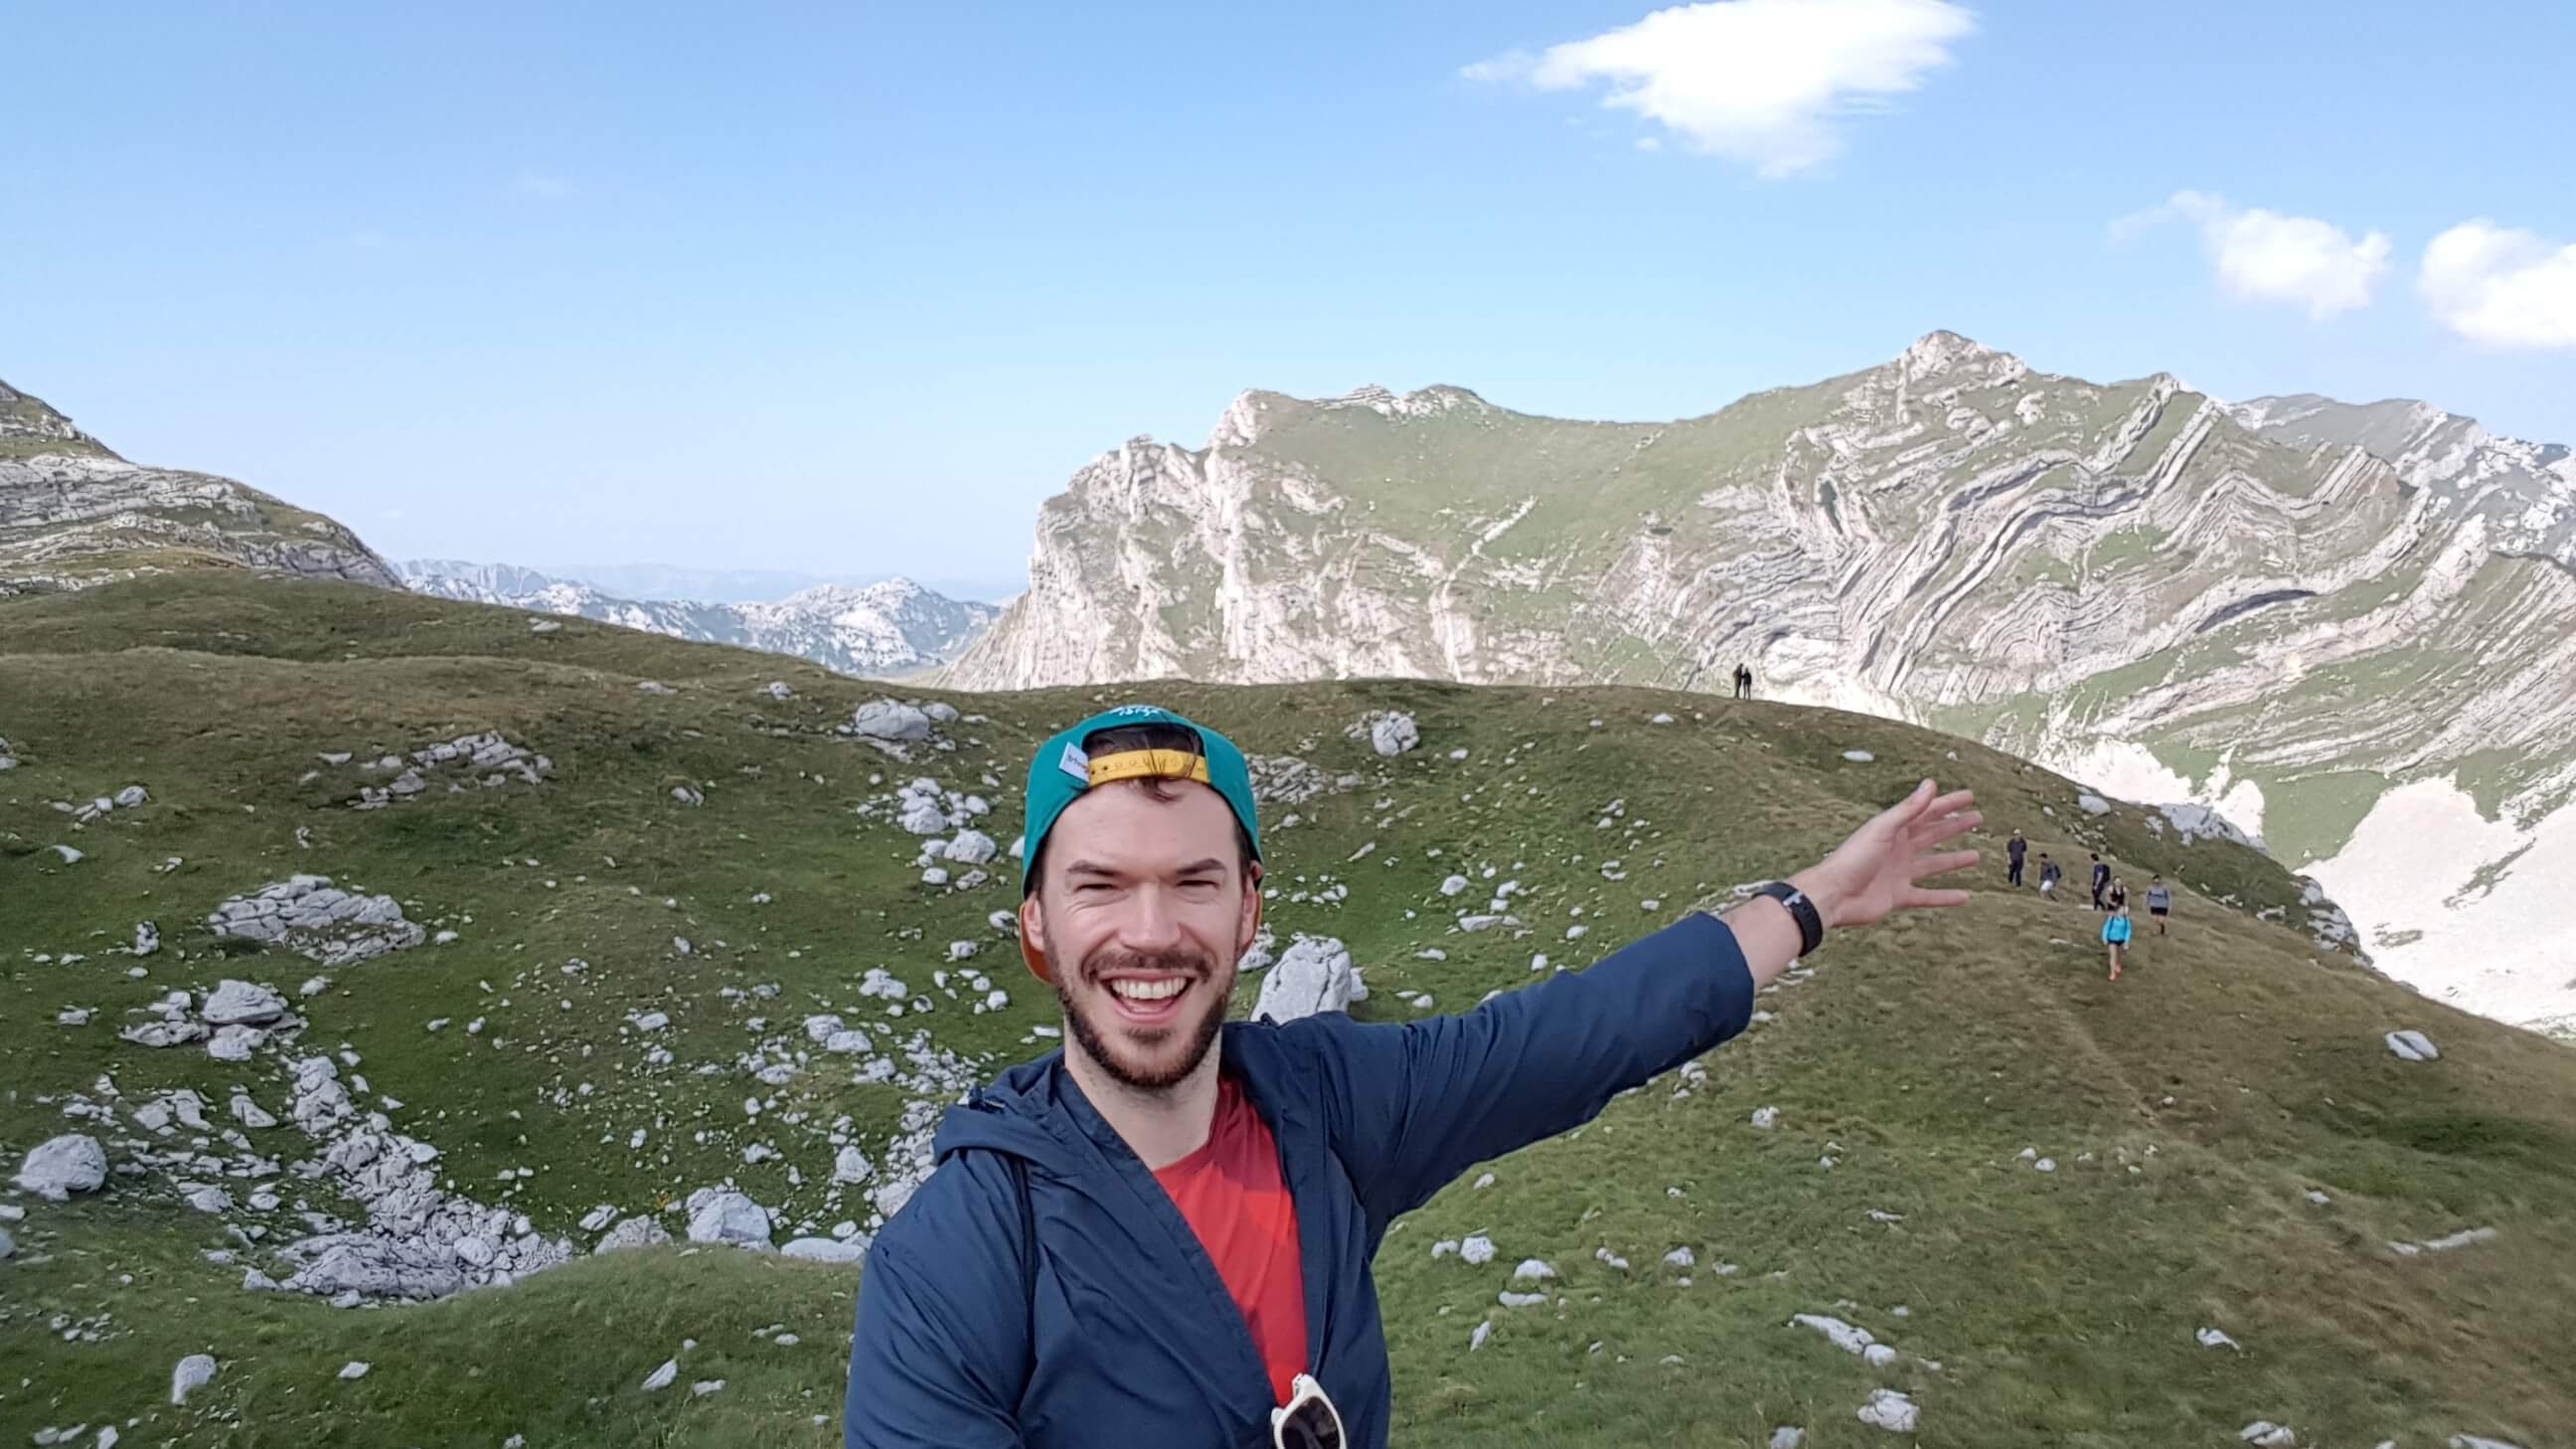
(1144,907)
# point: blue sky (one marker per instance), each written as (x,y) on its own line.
(852,289)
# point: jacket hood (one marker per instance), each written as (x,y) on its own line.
(1030,1111)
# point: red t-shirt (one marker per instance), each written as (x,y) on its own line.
(1232,1194)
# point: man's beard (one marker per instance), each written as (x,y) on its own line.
(1095,1042)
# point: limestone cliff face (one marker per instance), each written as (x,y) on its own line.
(2284,607)
(73,514)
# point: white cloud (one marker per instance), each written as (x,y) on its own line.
(2501,286)
(2264,256)
(1758,81)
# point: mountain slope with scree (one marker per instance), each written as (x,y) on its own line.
(623,944)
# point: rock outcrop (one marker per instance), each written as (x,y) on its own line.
(74,514)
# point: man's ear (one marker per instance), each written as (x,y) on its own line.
(1250,925)
(1033,937)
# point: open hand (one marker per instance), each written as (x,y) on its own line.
(1880,869)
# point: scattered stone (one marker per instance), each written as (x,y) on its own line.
(192,1373)
(826,1250)
(1887,1409)
(1485,1181)
(884,719)
(1859,757)
(355,1369)
(64,1165)
(722,1215)
(2092,804)
(1532,1270)
(852,1166)
(2412,1046)
(1788,1436)
(147,938)
(1521,1300)
(661,1378)
(544,626)
(2213,1338)
(636,1232)
(1477,1339)
(1390,732)
(69,855)
(778,690)
(655,686)
(2264,1434)
(1680,1258)
(1766,1118)
(1477,1250)
(1313,975)
(243,1003)
(308,915)
(704,1387)
(1453,885)
(971,847)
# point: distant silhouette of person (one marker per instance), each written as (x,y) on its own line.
(1743,681)
(2101,879)
(2049,876)
(2115,934)
(2014,850)
(2159,902)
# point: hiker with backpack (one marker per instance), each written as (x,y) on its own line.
(1161,1234)
(2049,876)
(2159,902)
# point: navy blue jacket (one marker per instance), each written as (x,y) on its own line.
(1041,1289)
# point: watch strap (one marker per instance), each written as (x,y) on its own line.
(1811,923)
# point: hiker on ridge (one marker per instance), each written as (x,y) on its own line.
(2115,934)
(2049,876)
(2159,902)
(2116,899)
(1743,681)
(2014,850)
(1161,1234)
(2101,878)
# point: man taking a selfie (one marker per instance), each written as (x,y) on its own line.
(1162,1235)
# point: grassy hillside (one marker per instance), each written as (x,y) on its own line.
(2195,1113)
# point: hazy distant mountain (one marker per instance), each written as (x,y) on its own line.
(746,586)
(891,628)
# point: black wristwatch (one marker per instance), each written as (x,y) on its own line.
(1811,925)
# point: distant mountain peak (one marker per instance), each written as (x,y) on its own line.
(1241,425)
(1940,352)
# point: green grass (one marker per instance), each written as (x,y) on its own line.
(2236,1068)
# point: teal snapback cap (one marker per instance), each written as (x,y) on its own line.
(1062,770)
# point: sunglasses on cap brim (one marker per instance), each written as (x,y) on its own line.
(1308,1421)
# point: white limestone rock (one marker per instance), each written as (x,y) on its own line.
(191,1374)
(826,1250)
(1313,975)
(722,1215)
(243,1003)
(1887,1409)
(61,1166)
(634,1232)
(885,719)
(310,916)
(2412,1046)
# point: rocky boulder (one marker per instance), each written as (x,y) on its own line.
(884,719)
(637,1232)
(243,1003)
(64,1165)
(1314,974)
(310,916)
(722,1215)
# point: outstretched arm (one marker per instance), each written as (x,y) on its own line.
(1413,1106)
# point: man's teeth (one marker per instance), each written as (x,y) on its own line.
(1134,990)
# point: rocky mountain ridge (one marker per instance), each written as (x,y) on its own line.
(2287,609)
(73,514)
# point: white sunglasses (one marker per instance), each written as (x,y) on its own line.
(1309,1421)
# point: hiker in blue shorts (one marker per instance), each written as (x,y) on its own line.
(2115,934)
